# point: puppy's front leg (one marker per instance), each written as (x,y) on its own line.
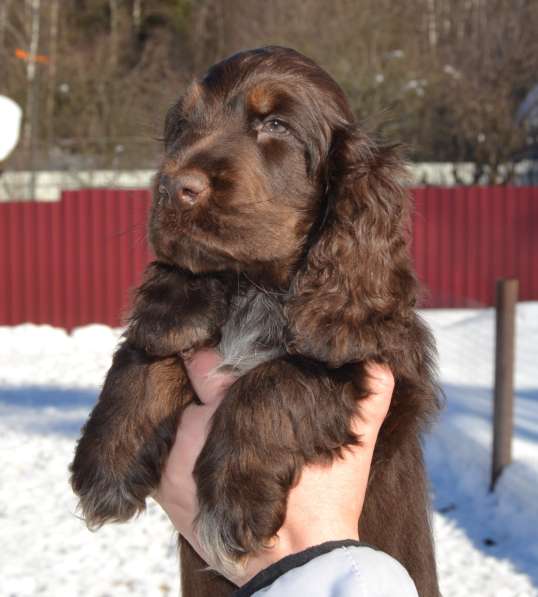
(128,436)
(176,311)
(126,440)
(273,420)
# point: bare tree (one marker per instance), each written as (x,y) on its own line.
(4,8)
(137,14)
(444,76)
(480,79)
(114,33)
(33,7)
(52,70)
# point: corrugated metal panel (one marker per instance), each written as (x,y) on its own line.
(73,262)
(467,237)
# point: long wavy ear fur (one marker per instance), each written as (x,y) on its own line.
(353,298)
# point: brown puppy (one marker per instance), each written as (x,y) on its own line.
(281,233)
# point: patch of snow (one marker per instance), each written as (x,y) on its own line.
(490,537)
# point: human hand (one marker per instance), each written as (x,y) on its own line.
(326,503)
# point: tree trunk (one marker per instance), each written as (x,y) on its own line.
(30,131)
(31,99)
(114,26)
(53,69)
(4,7)
(137,14)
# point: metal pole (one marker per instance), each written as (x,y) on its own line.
(506,301)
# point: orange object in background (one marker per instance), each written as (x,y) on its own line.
(24,55)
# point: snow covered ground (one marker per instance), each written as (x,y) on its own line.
(487,545)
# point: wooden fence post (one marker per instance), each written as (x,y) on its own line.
(506,300)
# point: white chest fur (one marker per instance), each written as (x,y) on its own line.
(254,331)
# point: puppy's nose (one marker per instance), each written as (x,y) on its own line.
(191,187)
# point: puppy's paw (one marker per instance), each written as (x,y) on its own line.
(161,337)
(176,312)
(240,511)
(104,496)
(114,475)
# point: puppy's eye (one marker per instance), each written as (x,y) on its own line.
(275,126)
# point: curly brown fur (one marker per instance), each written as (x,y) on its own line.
(281,234)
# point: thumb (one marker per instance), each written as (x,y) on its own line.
(374,407)
(209,384)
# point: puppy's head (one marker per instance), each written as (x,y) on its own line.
(266,172)
(243,180)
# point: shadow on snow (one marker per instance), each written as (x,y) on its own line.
(46,410)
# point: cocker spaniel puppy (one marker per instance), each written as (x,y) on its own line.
(281,235)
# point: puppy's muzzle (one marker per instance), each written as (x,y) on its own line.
(184,189)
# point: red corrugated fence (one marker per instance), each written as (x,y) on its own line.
(464,238)
(72,262)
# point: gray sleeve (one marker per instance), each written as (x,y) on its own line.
(356,571)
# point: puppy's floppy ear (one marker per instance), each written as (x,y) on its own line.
(352,299)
